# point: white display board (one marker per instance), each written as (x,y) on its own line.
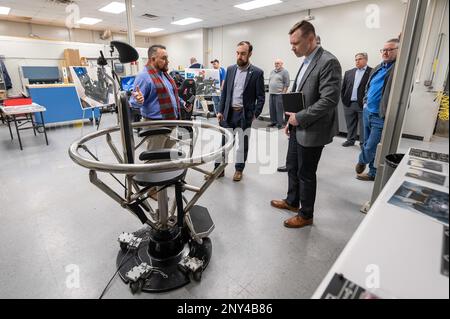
(207,81)
(400,250)
(92,86)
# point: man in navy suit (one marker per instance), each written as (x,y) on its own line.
(241,102)
(352,95)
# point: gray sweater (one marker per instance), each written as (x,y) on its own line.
(278,81)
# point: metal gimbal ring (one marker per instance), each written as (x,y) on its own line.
(151,167)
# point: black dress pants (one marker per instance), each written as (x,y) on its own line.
(353,119)
(236,125)
(302,165)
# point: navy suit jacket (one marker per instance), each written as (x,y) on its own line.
(347,86)
(254,94)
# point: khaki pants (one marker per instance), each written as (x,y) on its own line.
(154,143)
(201,100)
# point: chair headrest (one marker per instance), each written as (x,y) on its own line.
(189,83)
(127,53)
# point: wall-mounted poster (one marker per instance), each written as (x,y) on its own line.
(92,85)
(207,81)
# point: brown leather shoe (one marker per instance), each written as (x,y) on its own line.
(281,204)
(359,168)
(297,222)
(237,176)
(365,177)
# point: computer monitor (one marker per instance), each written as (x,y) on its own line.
(127,83)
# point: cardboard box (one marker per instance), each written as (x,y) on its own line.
(72,57)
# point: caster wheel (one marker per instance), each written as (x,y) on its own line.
(136,286)
(183,270)
(198,275)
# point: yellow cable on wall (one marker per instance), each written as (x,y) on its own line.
(442,98)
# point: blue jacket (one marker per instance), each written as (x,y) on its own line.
(254,94)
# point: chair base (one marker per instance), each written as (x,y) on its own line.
(169,275)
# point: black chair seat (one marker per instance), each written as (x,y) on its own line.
(155,131)
(159,178)
(161,154)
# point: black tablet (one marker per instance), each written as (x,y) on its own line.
(292,102)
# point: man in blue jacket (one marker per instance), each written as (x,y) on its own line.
(375,105)
(241,102)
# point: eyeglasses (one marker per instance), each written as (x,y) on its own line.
(387,50)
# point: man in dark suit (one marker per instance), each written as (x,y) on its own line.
(352,95)
(241,102)
(319,79)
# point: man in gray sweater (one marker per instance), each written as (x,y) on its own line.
(278,83)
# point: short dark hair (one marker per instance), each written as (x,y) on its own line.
(306,27)
(154,48)
(363,54)
(215,60)
(250,46)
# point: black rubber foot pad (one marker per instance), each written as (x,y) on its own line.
(201,220)
(157,282)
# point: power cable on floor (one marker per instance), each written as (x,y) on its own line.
(121,264)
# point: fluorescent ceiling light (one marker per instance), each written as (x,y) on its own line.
(187,21)
(114,7)
(4,10)
(151,30)
(89,21)
(257,4)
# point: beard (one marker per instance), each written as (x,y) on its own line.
(165,68)
(241,63)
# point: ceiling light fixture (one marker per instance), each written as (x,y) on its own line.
(186,21)
(4,10)
(151,30)
(257,4)
(114,7)
(89,21)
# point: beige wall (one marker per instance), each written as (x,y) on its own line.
(182,46)
(342,29)
(18,29)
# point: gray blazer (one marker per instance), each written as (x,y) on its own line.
(321,87)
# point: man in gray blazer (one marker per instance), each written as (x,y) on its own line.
(319,79)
